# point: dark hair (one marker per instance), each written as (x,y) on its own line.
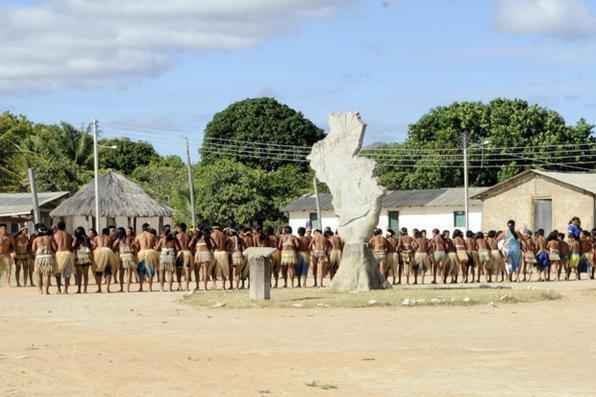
(540,232)
(479,235)
(436,231)
(554,235)
(81,237)
(61,225)
(182,226)
(153,232)
(470,234)
(585,233)
(3,225)
(288,229)
(301,231)
(492,234)
(42,230)
(390,232)
(404,230)
(511,222)
(146,227)
(120,233)
(417,234)
(92,230)
(562,236)
(105,231)
(377,232)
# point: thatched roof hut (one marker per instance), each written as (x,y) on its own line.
(118,198)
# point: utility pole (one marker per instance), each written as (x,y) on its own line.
(191,187)
(96,166)
(466,192)
(317,200)
(36,217)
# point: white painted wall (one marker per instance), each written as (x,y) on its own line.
(427,218)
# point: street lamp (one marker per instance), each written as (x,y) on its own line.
(96,169)
(466,184)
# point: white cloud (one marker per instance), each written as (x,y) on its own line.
(564,18)
(78,43)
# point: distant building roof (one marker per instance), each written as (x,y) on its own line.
(445,197)
(20,204)
(583,181)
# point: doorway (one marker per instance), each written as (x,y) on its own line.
(543,215)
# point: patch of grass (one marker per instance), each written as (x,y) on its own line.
(396,297)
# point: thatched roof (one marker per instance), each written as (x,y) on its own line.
(119,197)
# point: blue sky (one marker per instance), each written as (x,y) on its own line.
(390,60)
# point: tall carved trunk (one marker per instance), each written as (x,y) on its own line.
(358,270)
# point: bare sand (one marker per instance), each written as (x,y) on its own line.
(150,344)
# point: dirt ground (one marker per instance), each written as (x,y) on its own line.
(150,344)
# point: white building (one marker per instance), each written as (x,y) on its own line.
(442,209)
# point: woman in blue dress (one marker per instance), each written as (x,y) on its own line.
(511,250)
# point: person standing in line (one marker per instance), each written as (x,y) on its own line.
(542,256)
(303,256)
(378,245)
(185,259)
(44,247)
(472,252)
(406,254)
(421,256)
(222,260)
(147,256)
(337,247)
(124,245)
(236,247)
(104,259)
(83,258)
(484,258)
(168,247)
(319,247)
(452,267)
(529,254)
(64,257)
(288,245)
(392,255)
(439,254)
(6,251)
(23,258)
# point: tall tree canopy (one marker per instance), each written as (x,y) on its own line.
(127,156)
(229,192)
(505,137)
(258,121)
(13,131)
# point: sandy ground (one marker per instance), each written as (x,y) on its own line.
(151,345)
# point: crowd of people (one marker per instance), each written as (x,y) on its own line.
(119,256)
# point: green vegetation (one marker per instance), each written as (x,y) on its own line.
(242,180)
(396,297)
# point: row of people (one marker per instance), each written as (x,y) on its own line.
(117,254)
(472,255)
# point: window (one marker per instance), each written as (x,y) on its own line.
(314,221)
(459,219)
(394,220)
(14,228)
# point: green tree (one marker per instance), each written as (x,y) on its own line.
(505,137)
(229,192)
(127,156)
(258,120)
(166,181)
(61,155)
(13,131)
